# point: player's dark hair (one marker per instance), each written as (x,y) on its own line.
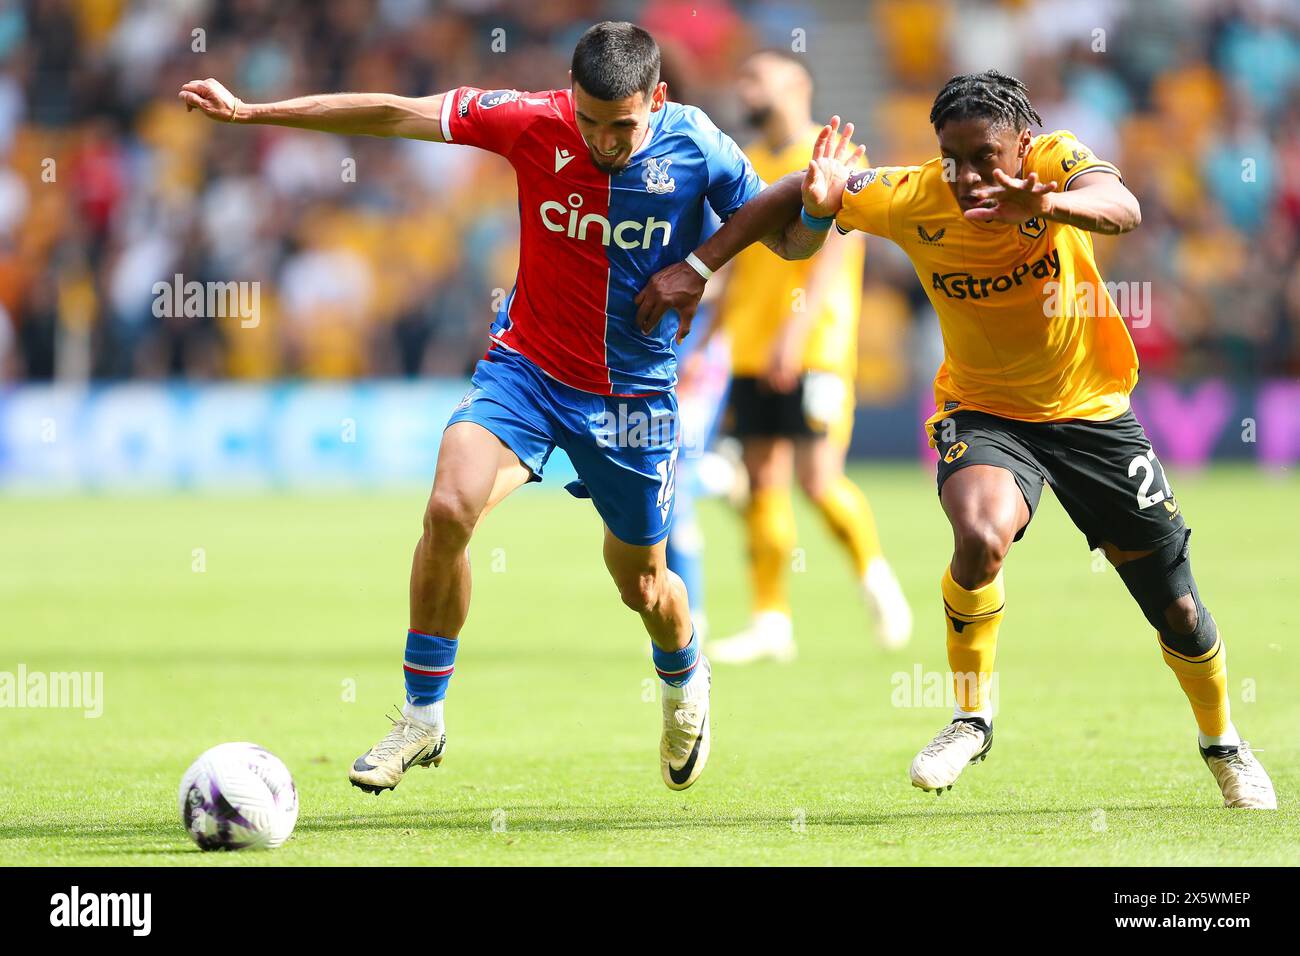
(990,95)
(614,60)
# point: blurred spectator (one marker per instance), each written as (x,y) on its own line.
(387,258)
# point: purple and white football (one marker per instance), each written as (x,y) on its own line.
(238,796)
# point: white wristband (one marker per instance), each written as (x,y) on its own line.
(694,262)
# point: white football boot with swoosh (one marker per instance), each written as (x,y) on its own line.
(410,743)
(684,746)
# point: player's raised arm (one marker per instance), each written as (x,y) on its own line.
(822,190)
(1097,202)
(349,114)
(791,217)
(1094,201)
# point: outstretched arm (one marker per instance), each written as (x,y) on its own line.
(1095,201)
(763,219)
(773,217)
(680,286)
(350,114)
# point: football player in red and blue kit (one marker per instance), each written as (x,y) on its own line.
(613,180)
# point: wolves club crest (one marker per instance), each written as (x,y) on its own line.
(1033,228)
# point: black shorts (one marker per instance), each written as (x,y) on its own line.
(820,404)
(756,411)
(1105,474)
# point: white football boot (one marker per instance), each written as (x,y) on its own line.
(1240,776)
(941,762)
(771,636)
(410,743)
(684,746)
(889,607)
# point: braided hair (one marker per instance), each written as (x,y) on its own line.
(992,94)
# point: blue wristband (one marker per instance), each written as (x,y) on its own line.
(816,223)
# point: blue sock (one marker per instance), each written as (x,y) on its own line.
(677,667)
(430,661)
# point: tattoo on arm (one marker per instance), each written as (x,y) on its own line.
(796,240)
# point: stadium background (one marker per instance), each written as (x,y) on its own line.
(389,276)
(275,616)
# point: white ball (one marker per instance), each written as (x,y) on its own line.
(238,796)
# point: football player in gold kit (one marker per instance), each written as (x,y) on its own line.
(1033,389)
(792,327)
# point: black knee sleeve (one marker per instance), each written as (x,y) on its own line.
(1160,579)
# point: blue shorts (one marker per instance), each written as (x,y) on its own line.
(624,449)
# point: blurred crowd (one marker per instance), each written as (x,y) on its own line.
(1196,101)
(385,257)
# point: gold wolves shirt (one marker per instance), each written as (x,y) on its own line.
(1029,330)
(589,241)
(761,292)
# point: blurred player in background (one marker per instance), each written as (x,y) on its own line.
(701,472)
(704,374)
(793,331)
(613,183)
(1033,389)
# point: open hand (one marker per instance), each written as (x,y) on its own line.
(1012,200)
(829,168)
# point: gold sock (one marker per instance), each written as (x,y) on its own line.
(770,520)
(848,515)
(1204,680)
(972,618)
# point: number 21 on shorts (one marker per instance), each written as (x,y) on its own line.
(1147,465)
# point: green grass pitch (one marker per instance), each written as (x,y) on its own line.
(292,635)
